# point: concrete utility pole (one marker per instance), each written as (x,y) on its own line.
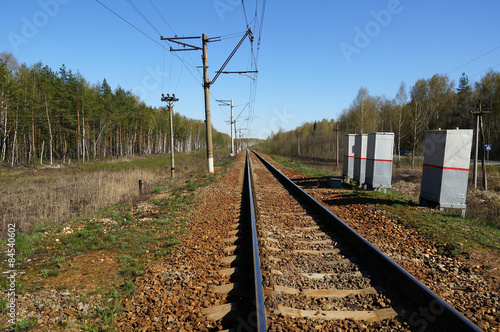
(171,111)
(478,113)
(235,138)
(208,118)
(232,138)
(476,148)
(206,80)
(229,103)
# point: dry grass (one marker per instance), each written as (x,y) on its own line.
(30,197)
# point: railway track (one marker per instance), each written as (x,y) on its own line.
(293,265)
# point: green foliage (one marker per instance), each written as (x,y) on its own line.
(108,308)
(128,288)
(26,243)
(60,259)
(311,172)
(90,328)
(22,325)
(88,121)
(3,304)
(133,268)
(428,104)
(49,273)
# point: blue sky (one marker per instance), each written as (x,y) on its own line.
(314,55)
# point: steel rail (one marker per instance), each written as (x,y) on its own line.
(432,309)
(260,310)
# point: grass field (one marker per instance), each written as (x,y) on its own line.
(29,197)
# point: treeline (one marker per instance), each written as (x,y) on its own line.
(49,117)
(429,104)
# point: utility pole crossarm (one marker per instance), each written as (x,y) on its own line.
(238,72)
(174,40)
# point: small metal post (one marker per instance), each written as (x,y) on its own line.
(337,146)
(140,187)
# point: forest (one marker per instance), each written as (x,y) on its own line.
(52,117)
(429,104)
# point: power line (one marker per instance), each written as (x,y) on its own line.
(143,16)
(180,75)
(133,26)
(163,76)
(489,68)
(232,35)
(149,37)
(496,48)
(158,32)
(164,20)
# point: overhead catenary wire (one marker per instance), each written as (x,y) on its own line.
(253,60)
(170,27)
(257,22)
(157,31)
(163,18)
(143,16)
(133,26)
(150,38)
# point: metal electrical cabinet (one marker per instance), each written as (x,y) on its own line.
(360,148)
(446,168)
(379,155)
(348,167)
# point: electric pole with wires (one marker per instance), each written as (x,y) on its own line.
(171,99)
(478,113)
(206,81)
(229,103)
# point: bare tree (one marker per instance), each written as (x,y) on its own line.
(400,101)
(419,95)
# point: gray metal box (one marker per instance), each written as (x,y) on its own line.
(379,155)
(334,182)
(348,167)
(360,148)
(446,168)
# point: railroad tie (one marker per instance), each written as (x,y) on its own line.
(368,316)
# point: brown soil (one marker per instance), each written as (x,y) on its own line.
(84,273)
